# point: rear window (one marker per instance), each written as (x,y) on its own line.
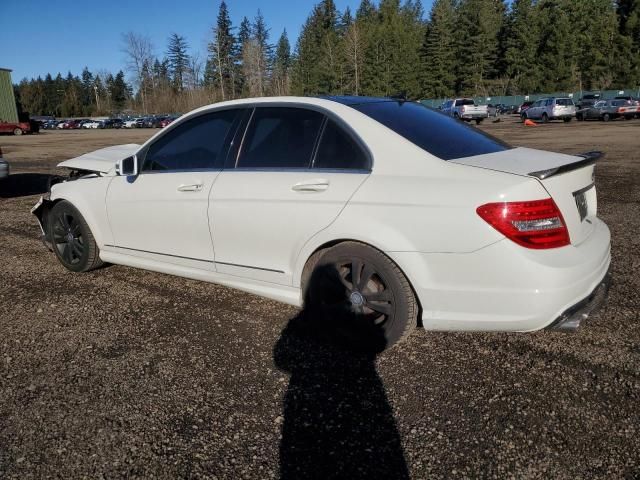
(567,102)
(464,101)
(433,131)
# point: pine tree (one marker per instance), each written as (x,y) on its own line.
(628,45)
(316,66)
(438,52)
(118,91)
(557,51)
(178,59)
(479,23)
(521,47)
(281,66)
(220,69)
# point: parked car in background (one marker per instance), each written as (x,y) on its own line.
(465,109)
(606,110)
(115,123)
(553,108)
(18,128)
(304,201)
(93,124)
(167,121)
(132,123)
(523,107)
(4,166)
(588,100)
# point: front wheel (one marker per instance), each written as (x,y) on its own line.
(545,118)
(567,119)
(18,131)
(72,240)
(523,117)
(606,117)
(359,297)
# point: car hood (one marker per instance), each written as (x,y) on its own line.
(102,160)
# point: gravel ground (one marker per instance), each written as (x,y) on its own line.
(125,373)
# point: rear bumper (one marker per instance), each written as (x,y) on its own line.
(573,317)
(505,287)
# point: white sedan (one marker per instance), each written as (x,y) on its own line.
(375,214)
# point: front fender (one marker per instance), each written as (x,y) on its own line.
(88,196)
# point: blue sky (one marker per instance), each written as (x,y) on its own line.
(40,36)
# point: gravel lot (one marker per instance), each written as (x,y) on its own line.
(125,373)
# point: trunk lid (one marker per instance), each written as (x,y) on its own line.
(568,179)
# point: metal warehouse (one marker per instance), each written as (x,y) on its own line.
(8,110)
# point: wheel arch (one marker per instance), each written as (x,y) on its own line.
(90,202)
(303,271)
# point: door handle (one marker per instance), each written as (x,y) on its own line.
(315,185)
(195,187)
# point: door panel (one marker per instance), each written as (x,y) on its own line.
(261,219)
(163,213)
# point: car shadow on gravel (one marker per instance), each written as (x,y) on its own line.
(337,420)
(24,184)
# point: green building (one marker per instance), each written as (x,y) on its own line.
(8,110)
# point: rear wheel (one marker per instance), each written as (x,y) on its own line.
(72,240)
(579,117)
(478,121)
(359,297)
(606,117)
(17,131)
(523,116)
(545,118)
(566,119)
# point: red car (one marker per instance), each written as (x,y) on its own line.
(71,125)
(15,128)
(167,121)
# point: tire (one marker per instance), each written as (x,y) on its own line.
(567,119)
(523,116)
(456,116)
(545,118)
(478,121)
(579,117)
(18,131)
(370,310)
(71,238)
(606,117)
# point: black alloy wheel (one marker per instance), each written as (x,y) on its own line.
(72,240)
(361,297)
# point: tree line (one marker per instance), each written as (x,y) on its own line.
(462,47)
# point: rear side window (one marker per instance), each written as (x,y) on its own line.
(337,150)
(433,131)
(280,137)
(197,143)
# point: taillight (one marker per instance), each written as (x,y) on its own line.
(535,224)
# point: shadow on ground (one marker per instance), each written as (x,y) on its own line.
(338,422)
(24,184)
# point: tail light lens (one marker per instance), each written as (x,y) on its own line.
(536,224)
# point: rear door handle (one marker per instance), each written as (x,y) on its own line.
(195,187)
(315,185)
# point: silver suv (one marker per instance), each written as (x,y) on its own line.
(554,108)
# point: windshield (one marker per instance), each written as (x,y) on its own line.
(431,130)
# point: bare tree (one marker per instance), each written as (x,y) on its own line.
(139,52)
(252,67)
(354,46)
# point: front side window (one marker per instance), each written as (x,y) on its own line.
(280,137)
(337,150)
(197,143)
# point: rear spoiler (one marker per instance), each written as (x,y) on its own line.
(588,158)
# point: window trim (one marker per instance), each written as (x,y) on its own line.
(227,143)
(233,165)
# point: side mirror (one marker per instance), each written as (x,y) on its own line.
(127,166)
